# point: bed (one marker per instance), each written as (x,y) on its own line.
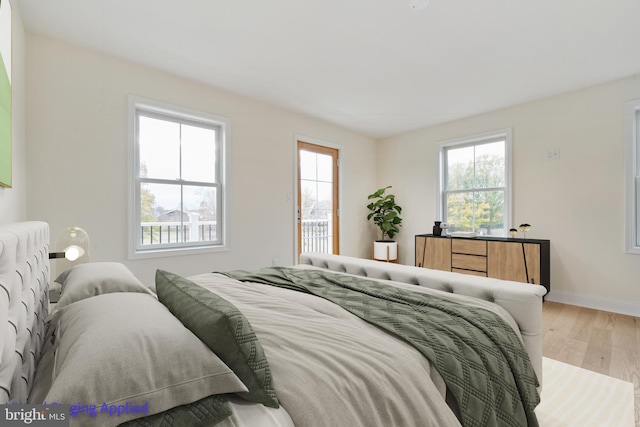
(121,353)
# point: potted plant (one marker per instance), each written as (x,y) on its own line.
(385,213)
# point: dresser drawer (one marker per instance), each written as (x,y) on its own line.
(518,260)
(469,262)
(468,246)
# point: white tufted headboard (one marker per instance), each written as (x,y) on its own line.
(522,300)
(24,305)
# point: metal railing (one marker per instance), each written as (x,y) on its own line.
(166,232)
(316,236)
(316,233)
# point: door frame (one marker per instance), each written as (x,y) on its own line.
(321,143)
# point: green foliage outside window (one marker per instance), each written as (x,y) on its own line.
(481,206)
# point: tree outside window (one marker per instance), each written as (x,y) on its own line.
(178,179)
(474,188)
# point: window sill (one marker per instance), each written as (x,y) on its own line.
(166,253)
(632,251)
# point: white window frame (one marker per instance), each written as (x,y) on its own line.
(470,140)
(136,251)
(632,177)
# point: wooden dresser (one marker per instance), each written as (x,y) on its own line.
(520,260)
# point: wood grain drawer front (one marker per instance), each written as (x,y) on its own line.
(470,247)
(471,272)
(469,262)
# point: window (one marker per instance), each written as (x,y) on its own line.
(632,177)
(178,185)
(318,198)
(475,183)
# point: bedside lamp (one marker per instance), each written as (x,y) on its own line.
(71,248)
(72,245)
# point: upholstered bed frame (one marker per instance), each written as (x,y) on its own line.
(24,302)
(24,305)
(522,301)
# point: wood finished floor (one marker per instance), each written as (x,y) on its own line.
(599,341)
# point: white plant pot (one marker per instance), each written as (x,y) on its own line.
(385,250)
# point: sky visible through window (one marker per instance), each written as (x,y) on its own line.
(475,187)
(173,151)
(468,157)
(316,179)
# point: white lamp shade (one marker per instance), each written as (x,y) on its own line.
(74,242)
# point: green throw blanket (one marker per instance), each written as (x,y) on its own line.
(481,359)
(206,412)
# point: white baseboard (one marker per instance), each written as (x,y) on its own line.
(598,303)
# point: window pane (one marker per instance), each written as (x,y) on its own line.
(325,168)
(166,198)
(308,166)
(460,168)
(460,208)
(309,198)
(159,143)
(325,196)
(323,214)
(160,214)
(482,212)
(198,154)
(201,206)
(489,213)
(178,157)
(490,165)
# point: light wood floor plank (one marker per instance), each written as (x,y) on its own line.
(552,311)
(558,347)
(599,348)
(599,341)
(605,320)
(583,325)
(624,332)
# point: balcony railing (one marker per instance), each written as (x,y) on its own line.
(166,232)
(316,235)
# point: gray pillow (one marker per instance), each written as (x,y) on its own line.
(226,331)
(121,348)
(97,278)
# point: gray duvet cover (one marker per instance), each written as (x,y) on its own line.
(331,368)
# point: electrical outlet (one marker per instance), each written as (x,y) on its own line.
(274,262)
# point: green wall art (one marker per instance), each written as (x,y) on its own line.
(5,93)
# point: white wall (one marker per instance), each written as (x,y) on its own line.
(577,201)
(13,201)
(76,130)
(77,133)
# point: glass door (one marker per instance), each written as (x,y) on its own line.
(318,210)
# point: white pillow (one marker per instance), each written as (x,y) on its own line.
(96,278)
(124,348)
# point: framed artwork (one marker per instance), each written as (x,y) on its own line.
(5,94)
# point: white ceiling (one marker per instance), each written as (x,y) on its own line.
(377,67)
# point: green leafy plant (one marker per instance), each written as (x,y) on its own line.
(385,213)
